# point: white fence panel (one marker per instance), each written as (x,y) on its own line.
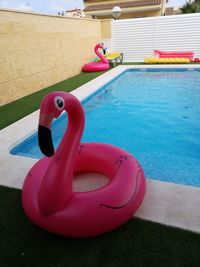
(137,38)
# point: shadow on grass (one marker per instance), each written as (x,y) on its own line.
(137,243)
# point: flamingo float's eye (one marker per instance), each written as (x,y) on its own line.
(59,102)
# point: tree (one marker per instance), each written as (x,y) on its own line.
(197,3)
(191,7)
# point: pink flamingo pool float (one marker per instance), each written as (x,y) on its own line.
(47,195)
(97,66)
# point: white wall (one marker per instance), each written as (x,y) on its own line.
(137,38)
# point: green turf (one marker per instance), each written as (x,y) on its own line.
(28,104)
(137,243)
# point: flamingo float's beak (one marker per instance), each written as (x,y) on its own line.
(44,136)
(45,141)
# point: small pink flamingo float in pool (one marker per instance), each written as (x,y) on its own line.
(99,65)
(47,195)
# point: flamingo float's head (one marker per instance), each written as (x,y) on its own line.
(51,107)
(100,45)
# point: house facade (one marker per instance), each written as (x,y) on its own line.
(102,9)
(76,13)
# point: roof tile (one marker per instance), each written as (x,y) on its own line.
(137,3)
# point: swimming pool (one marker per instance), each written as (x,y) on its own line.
(154,114)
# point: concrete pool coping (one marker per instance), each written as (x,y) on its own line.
(166,203)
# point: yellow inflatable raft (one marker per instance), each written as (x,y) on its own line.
(177,60)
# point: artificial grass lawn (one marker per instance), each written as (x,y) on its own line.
(28,104)
(137,243)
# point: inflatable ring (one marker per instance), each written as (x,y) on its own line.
(97,65)
(47,195)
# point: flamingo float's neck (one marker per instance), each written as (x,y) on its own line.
(102,58)
(56,186)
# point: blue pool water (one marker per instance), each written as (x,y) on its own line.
(153,114)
